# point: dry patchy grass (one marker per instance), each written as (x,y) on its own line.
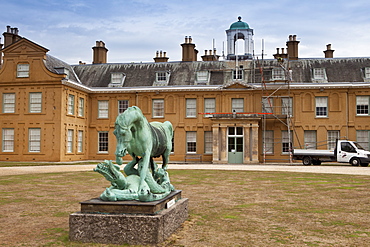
(226,208)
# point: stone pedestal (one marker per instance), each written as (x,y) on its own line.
(128,222)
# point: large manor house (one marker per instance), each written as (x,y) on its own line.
(229,108)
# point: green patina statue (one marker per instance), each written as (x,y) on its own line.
(143,141)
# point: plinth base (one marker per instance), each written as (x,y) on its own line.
(128,228)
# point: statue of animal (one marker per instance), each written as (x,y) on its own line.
(143,141)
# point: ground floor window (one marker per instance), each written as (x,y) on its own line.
(208,142)
(8,140)
(286,141)
(191,142)
(34,140)
(103,142)
(363,138)
(70,141)
(333,136)
(80,141)
(269,142)
(310,139)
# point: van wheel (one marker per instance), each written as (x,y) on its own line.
(306,160)
(355,162)
(364,164)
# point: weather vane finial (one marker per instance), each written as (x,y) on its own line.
(239,18)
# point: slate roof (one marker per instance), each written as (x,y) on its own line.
(52,63)
(338,70)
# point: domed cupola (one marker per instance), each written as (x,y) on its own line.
(239,30)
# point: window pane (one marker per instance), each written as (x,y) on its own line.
(286,104)
(8,140)
(103,108)
(209,106)
(237,105)
(267,105)
(333,135)
(80,141)
(321,106)
(269,141)
(310,139)
(23,70)
(34,140)
(122,106)
(362,105)
(363,138)
(81,107)
(191,107)
(70,141)
(191,142)
(71,104)
(103,142)
(286,145)
(35,102)
(158,108)
(208,142)
(8,102)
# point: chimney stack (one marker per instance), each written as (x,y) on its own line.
(329,52)
(211,56)
(189,53)
(11,36)
(99,53)
(292,47)
(161,57)
(280,55)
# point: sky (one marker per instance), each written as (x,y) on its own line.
(133,30)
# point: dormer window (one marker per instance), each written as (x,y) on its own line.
(202,77)
(238,73)
(278,74)
(62,70)
(117,79)
(162,78)
(23,70)
(319,75)
(366,74)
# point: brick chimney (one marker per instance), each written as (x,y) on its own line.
(99,53)
(329,52)
(189,53)
(11,36)
(160,57)
(292,47)
(280,55)
(211,56)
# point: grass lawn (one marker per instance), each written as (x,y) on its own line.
(226,208)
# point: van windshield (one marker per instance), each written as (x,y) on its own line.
(358,146)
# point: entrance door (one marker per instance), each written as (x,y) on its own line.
(235,145)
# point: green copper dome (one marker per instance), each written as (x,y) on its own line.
(239,24)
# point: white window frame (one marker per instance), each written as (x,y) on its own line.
(8,102)
(70,133)
(278,74)
(158,108)
(8,140)
(80,136)
(321,103)
(23,70)
(238,74)
(71,104)
(237,105)
(267,105)
(103,108)
(319,75)
(362,138)
(333,135)
(287,106)
(34,140)
(310,139)
(367,72)
(209,106)
(122,106)
(35,102)
(103,142)
(285,142)
(81,107)
(202,77)
(362,105)
(208,142)
(191,142)
(191,108)
(269,142)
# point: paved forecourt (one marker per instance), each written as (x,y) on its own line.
(333,169)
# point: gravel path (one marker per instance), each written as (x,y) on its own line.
(340,169)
